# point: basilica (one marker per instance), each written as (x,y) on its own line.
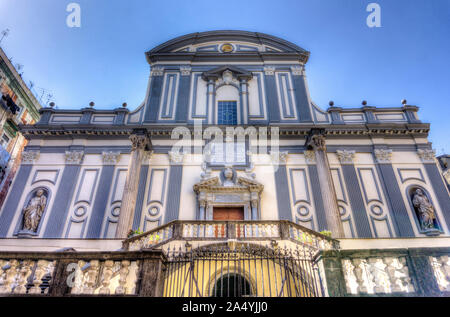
(228,180)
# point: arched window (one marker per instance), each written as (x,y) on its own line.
(232,285)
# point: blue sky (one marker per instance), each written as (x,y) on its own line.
(103,60)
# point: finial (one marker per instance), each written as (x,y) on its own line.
(404,101)
(52,104)
(92,104)
(124,105)
(364,103)
(331,103)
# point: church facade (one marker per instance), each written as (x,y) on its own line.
(228,160)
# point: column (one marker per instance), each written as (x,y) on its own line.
(210,103)
(316,142)
(140,143)
(244,101)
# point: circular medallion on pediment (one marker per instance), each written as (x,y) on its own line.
(227,48)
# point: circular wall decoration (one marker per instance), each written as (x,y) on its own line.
(303,211)
(227,48)
(376,210)
(153,211)
(115,212)
(80,211)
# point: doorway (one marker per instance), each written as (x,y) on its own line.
(228,213)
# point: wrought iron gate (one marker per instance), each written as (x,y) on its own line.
(243,270)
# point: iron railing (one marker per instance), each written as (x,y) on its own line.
(242,270)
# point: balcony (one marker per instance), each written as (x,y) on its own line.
(240,231)
(198,258)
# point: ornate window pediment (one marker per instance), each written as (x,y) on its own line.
(227,74)
(227,190)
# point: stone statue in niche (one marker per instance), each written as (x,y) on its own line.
(32,213)
(425,211)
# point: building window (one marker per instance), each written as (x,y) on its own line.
(4,141)
(227,112)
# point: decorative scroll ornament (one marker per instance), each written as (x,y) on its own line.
(176,157)
(426,155)
(185,70)
(29,157)
(33,211)
(227,79)
(157,71)
(317,142)
(74,157)
(110,158)
(278,157)
(297,70)
(138,142)
(425,211)
(383,156)
(310,157)
(345,157)
(269,70)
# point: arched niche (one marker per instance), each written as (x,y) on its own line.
(33,212)
(424,211)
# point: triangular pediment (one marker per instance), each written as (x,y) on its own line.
(217,73)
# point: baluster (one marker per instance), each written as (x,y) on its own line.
(446,269)
(406,279)
(10,276)
(202,230)
(38,274)
(91,277)
(348,270)
(79,277)
(24,272)
(376,276)
(390,270)
(2,274)
(107,274)
(359,275)
(124,270)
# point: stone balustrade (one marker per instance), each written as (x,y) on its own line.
(74,273)
(377,275)
(388,272)
(225,230)
(441,270)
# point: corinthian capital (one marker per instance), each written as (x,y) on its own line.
(427,156)
(383,156)
(139,142)
(29,157)
(74,157)
(345,157)
(316,142)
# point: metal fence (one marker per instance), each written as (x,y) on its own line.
(243,270)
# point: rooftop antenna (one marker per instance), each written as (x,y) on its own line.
(49,97)
(19,67)
(4,34)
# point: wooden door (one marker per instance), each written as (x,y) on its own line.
(228,213)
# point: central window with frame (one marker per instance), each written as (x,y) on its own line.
(227,112)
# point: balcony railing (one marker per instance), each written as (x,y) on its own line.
(74,273)
(388,272)
(225,230)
